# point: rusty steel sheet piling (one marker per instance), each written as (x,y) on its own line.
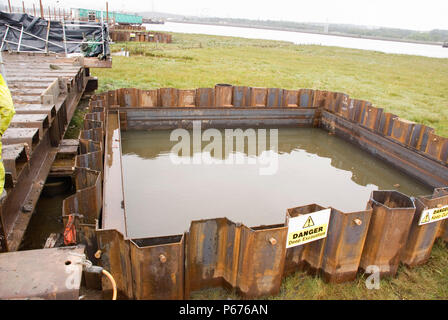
(371,118)
(221,253)
(274,97)
(344,245)
(87,146)
(169,118)
(92,160)
(223,95)
(389,227)
(386,122)
(128,97)
(148,98)
(87,199)
(168,97)
(205,97)
(437,147)
(115,257)
(420,166)
(96,134)
(261,260)
(422,237)
(290,98)
(401,130)
(158,267)
(443,230)
(258,97)
(186,98)
(420,136)
(211,254)
(306,98)
(241,96)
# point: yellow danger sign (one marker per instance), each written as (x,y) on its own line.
(307,228)
(309,223)
(433,215)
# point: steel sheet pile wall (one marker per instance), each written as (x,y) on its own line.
(139,36)
(336,258)
(86,204)
(219,252)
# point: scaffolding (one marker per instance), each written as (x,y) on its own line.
(21,46)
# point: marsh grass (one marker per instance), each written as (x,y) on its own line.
(429,281)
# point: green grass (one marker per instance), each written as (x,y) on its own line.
(415,88)
(77,120)
(429,281)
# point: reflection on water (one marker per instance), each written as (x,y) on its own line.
(313,167)
(47,219)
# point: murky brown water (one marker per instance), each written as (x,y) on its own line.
(46,219)
(313,167)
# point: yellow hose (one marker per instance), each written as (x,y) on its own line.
(114,284)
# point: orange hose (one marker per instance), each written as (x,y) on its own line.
(114,284)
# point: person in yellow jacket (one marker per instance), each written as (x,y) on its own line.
(6,114)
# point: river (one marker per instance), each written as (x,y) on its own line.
(435,51)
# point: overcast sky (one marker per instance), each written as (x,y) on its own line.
(407,14)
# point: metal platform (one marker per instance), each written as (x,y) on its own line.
(46,90)
(50,274)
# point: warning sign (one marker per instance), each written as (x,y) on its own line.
(307,228)
(433,215)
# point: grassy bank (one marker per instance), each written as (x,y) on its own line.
(412,87)
(429,281)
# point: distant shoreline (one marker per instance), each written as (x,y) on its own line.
(305,31)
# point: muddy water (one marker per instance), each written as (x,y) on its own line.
(47,219)
(162,197)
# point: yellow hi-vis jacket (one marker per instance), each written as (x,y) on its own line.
(6,114)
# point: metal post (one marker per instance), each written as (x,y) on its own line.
(20,40)
(41,9)
(9,4)
(63,33)
(102,35)
(34,9)
(4,38)
(48,34)
(107,12)
(34,36)
(23,6)
(2,68)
